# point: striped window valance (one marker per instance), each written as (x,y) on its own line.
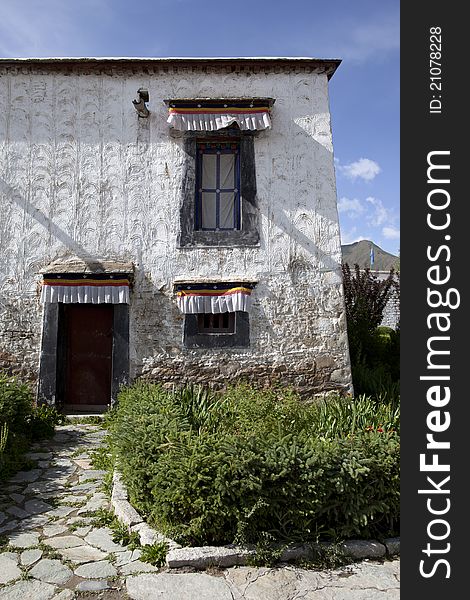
(211,115)
(214,297)
(85,289)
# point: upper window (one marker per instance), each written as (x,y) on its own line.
(218,185)
(219,204)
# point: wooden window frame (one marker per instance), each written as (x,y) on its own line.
(217,146)
(194,338)
(208,323)
(248,234)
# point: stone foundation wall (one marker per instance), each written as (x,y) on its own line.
(20,336)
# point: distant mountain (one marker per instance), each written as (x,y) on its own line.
(359,253)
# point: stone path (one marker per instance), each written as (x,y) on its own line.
(49,548)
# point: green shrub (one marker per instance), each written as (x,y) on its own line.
(240,466)
(42,422)
(23,421)
(16,403)
(154,554)
(122,535)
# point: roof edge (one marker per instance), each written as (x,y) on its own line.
(328,65)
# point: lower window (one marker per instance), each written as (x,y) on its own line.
(221,330)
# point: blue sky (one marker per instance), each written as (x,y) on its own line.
(364,92)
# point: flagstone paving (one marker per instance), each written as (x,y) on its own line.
(51,551)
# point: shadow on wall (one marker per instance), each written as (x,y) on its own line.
(288,217)
(69,243)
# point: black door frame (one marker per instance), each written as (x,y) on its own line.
(51,363)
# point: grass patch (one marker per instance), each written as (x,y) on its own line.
(154,554)
(122,535)
(48,551)
(101,458)
(101,517)
(77,525)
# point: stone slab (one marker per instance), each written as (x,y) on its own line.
(204,556)
(18,512)
(38,455)
(91,474)
(51,571)
(125,512)
(71,499)
(29,557)
(8,526)
(102,538)
(82,554)
(37,506)
(64,595)
(119,490)
(393,546)
(33,522)
(23,590)
(360,549)
(61,511)
(96,570)
(188,586)
(23,540)
(26,476)
(64,541)
(123,558)
(9,570)
(43,487)
(18,498)
(53,529)
(137,566)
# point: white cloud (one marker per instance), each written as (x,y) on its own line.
(371,39)
(358,41)
(351,236)
(391,233)
(379,214)
(364,168)
(352,207)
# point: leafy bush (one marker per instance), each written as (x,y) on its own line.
(365,297)
(374,350)
(42,422)
(23,421)
(246,464)
(16,403)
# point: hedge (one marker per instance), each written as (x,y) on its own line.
(236,466)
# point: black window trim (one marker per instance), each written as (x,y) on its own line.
(193,339)
(248,234)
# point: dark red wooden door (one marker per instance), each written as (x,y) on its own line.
(89,342)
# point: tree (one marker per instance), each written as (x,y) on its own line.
(365,297)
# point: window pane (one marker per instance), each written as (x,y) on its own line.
(209,165)
(226,218)
(227,171)
(212,324)
(208,210)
